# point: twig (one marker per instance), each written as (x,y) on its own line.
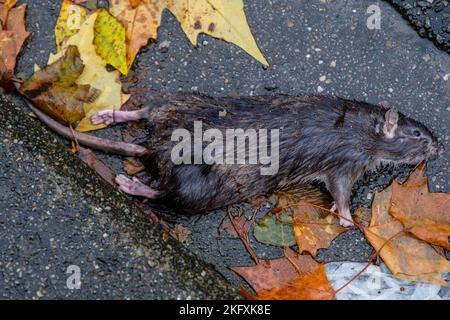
(276,210)
(291,261)
(373,256)
(73,135)
(14,79)
(242,237)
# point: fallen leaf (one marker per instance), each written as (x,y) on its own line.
(424,214)
(314,228)
(270,230)
(293,277)
(6,85)
(226,227)
(109,41)
(132,166)
(109,34)
(89,157)
(256,201)
(90,4)
(5,6)
(181,233)
(407,257)
(223,19)
(94,74)
(54,91)
(70,19)
(12,36)
(362,217)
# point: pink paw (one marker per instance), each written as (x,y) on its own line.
(135,187)
(345,220)
(346,223)
(103,117)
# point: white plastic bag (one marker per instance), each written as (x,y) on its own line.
(377,283)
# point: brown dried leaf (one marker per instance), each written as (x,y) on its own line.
(132,166)
(362,217)
(293,277)
(314,228)
(226,227)
(89,157)
(181,233)
(426,215)
(54,91)
(12,37)
(5,6)
(407,257)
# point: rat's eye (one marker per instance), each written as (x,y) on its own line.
(416,133)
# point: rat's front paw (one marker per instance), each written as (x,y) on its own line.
(103,117)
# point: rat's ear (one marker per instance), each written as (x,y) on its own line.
(390,123)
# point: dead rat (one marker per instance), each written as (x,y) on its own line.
(320,138)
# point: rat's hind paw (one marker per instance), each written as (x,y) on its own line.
(103,117)
(345,219)
(346,223)
(135,187)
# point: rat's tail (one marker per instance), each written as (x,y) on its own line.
(91,141)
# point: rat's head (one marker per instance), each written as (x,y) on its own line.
(406,141)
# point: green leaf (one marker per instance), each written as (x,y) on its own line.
(273,232)
(109,41)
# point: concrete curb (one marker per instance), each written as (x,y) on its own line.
(79,219)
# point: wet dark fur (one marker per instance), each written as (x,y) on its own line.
(322,138)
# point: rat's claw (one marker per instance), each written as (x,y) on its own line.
(103,117)
(346,223)
(333,207)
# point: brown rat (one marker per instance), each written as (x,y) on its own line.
(325,139)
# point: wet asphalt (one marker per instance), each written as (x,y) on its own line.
(312,47)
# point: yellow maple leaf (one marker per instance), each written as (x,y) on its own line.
(223,19)
(94,74)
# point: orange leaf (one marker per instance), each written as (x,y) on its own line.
(426,215)
(407,257)
(294,276)
(12,37)
(141,22)
(5,6)
(314,228)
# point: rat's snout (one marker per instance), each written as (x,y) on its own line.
(436,150)
(440,150)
